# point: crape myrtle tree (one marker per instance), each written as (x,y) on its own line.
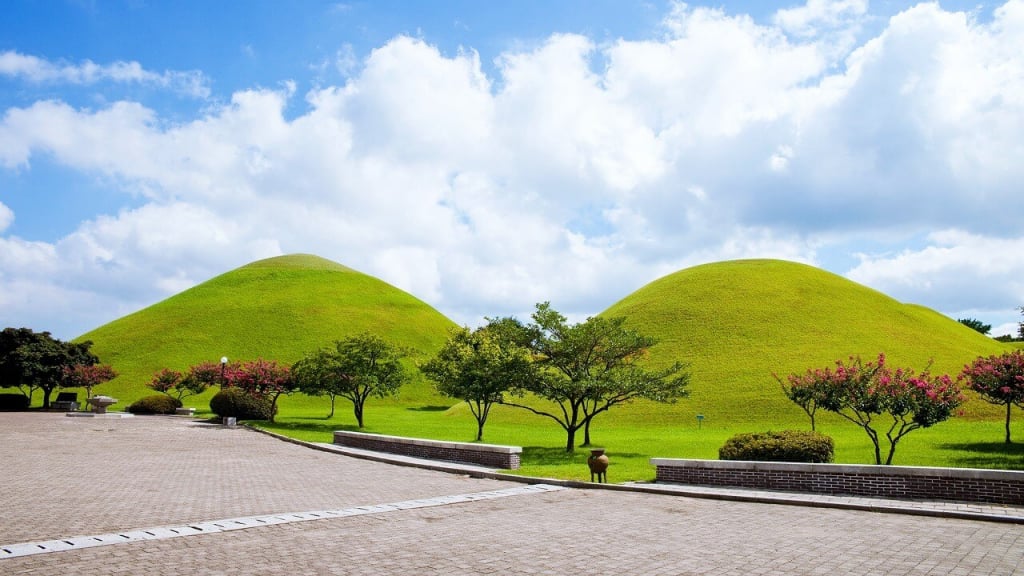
(479,367)
(999,380)
(262,379)
(900,398)
(799,388)
(355,368)
(86,376)
(588,367)
(36,360)
(180,385)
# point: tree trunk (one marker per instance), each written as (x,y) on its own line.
(358,409)
(46,397)
(570,443)
(479,430)
(586,434)
(1008,406)
(331,415)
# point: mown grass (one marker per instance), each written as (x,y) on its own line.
(631,441)
(735,323)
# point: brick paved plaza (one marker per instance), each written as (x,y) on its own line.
(68,477)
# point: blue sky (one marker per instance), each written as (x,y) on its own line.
(486,156)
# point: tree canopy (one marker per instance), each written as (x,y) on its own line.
(479,367)
(356,368)
(36,360)
(586,368)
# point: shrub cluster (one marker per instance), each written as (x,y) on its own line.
(155,404)
(13,402)
(784,446)
(235,402)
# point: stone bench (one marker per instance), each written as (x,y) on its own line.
(491,455)
(904,482)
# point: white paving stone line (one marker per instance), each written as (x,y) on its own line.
(214,526)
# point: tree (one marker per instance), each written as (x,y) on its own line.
(200,377)
(1020,327)
(262,379)
(36,360)
(479,367)
(356,368)
(999,380)
(587,368)
(859,392)
(314,377)
(800,389)
(86,376)
(975,324)
(10,369)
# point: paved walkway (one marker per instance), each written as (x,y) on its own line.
(63,478)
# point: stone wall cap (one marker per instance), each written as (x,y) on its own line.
(435,443)
(873,469)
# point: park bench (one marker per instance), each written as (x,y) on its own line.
(66,401)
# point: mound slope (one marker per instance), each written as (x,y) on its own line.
(278,308)
(737,322)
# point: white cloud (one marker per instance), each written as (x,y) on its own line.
(6,217)
(41,71)
(578,174)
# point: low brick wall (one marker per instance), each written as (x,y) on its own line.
(494,456)
(910,482)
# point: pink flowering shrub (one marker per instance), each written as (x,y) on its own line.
(901,399)
(999,380)
(261,379)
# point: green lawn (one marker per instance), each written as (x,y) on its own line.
(631,442)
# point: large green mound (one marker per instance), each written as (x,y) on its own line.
(279,309)
(737,322)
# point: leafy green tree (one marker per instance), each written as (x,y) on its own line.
(999,380)
(588,367)
(36,360)
(975,324)
(10,369)
(356,368)
(860,392)
(479,367)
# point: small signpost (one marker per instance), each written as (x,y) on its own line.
(700,420)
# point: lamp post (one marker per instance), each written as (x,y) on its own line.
(223,365)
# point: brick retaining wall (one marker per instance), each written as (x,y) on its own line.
(504,457)
(908,482)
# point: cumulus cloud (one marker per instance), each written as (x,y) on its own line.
(577,174)
(42,71)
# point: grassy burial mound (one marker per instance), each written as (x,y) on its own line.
(737,322)
(278,308)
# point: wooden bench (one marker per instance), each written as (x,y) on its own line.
(66,401)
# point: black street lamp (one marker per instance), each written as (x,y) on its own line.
(223,365)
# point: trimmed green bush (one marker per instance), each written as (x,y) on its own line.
(784,446)
(13,402)
(155,404)
(235,402)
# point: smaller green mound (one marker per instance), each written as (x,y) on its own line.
(738,322)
